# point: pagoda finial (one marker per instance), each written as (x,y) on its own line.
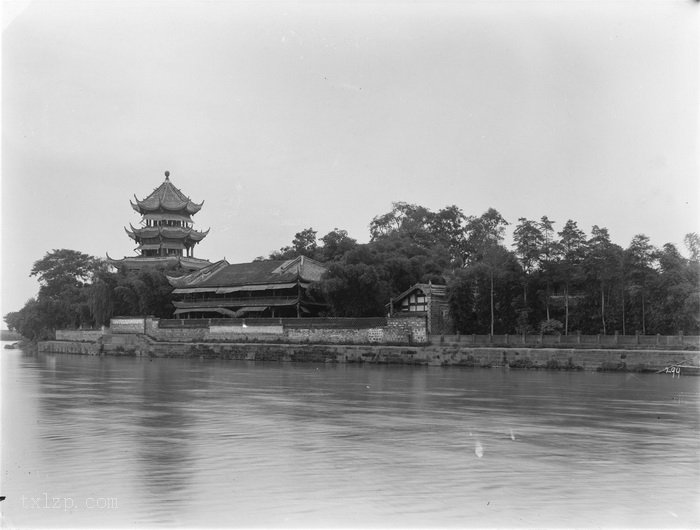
(167,175)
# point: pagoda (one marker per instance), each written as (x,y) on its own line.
(166,236)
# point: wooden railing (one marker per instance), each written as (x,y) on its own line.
(237,302)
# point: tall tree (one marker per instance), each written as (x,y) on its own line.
(448,228)
(335,244)
(304,242)
(571,248)
(482,233)
(640,257)
(603,264)
(61,270)
(410,219)
(675,293)
(547,252)
(444,228)
(101,298)
(692,243)
(547,228)
(528,241)
(353,290)
(484,250)
(481,295)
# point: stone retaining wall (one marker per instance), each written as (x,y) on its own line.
(636,341)
(79,335)
(404,328)
(403,340)
(337,336)
(399,330)
(60,346)
(436,355)
(613,360)
(127,325)
(565,359)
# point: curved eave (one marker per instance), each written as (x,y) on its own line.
(155,204)
(193,208)
(199,275)
(175,232)
(139,259)
(172,280)
(150,231)
(169,232)
(131,233)
(198,236)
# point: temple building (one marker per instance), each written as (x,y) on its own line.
(166,237)
(258,289)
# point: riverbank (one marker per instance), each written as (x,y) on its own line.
(26,345)
(429,355)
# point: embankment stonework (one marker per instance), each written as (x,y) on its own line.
(397,340)
(433,355)
(64,346)
(79,335)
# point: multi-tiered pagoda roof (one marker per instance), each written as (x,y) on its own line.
(166,235)
(166,199)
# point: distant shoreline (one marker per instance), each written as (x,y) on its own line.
(7,335)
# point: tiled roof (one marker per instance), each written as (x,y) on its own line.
(166,197)
(159,261)
(256,272)
(438,291)
(170,232)
(247,273)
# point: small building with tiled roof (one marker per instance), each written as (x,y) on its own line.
(258,289)
(166,236)
(426,299)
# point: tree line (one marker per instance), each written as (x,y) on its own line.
(78,290)
(550,280)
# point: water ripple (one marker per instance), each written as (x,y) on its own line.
(210,443)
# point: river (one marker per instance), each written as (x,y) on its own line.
(130,442)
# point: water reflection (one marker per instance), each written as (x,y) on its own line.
(161,426)
(211,443)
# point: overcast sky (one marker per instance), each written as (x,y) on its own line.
(287,115)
